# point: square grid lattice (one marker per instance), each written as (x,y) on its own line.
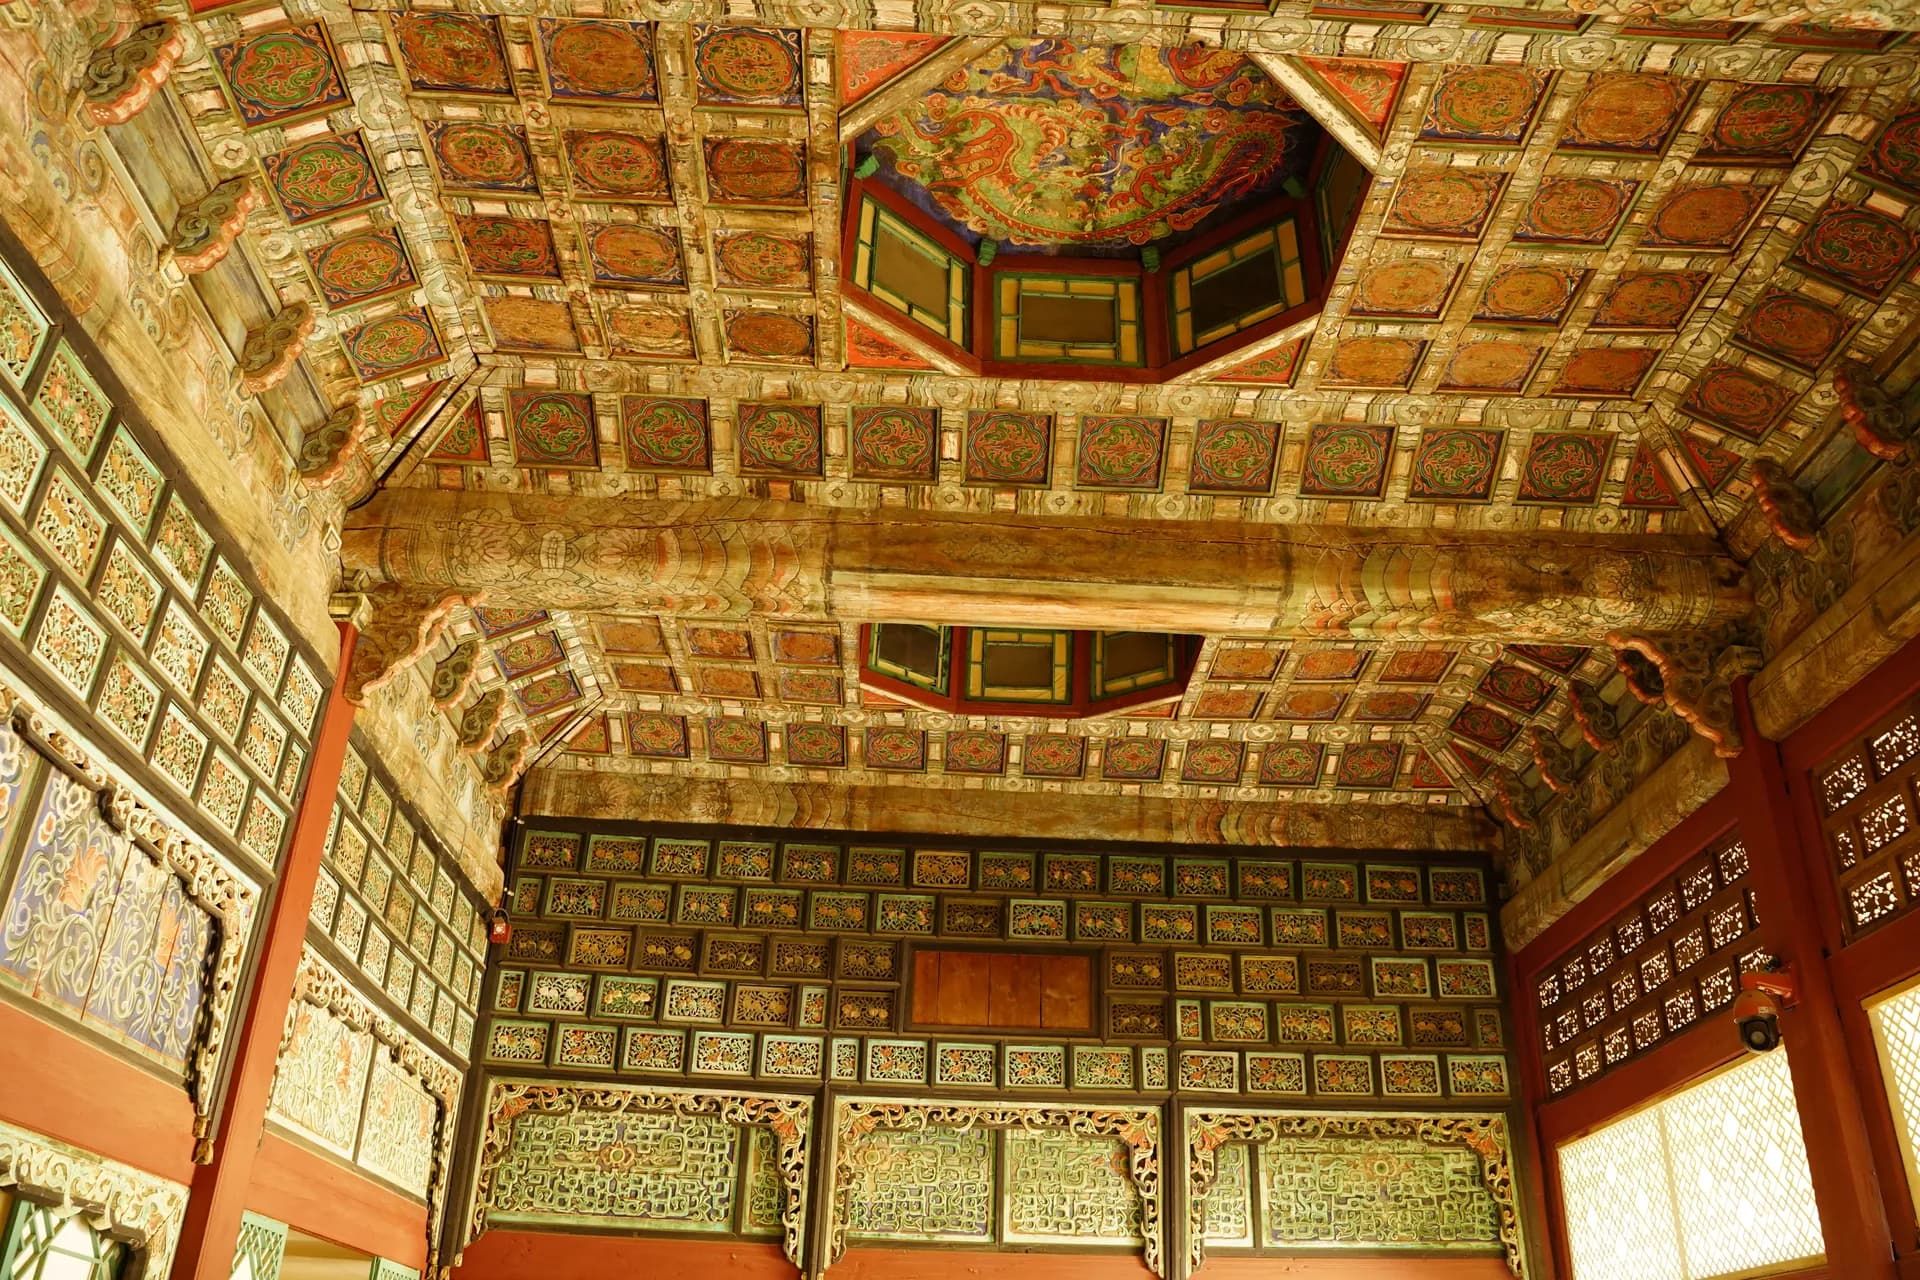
(1896,1026)
(1866,796)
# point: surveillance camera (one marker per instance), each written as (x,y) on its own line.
(1758,1015)
(1756,1010)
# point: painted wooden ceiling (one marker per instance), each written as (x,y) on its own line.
(595,251)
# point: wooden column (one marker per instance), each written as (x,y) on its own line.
(219,1193)
(1845,1182)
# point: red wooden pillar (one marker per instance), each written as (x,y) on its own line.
(1839,1153)
(219,1193)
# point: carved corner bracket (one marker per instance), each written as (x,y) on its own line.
(1788,510)
(1691,674)
(401,626)
(269,352)
(327,449)
(473,730)
(1881,421)
(1509,799)
(121,79)
(207,228)
(1558,766)
(1598,722)
(506,762)
(454,674)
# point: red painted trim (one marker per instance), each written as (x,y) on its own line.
(523,1255)
(1706,1046)
(1080,702)
(324,1198)
(1538,1194)
(1338,1268)
(220,1188)
(1849,715)
(59,1084)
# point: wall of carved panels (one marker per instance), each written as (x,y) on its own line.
(1657,968)
(393,910)
(1866,796)
(731,954)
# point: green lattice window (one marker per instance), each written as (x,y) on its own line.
(1237,286)
(1896,1027)
(262,1246)
(42,1245)
(910,272)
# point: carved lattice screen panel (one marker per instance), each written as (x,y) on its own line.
(1711,1182)
(1865,792)
(1896,1027)
(1651,972)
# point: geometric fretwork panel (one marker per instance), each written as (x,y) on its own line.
(1660,966)
(1711,1182)
(1896,1025)
(1871,816)
(723,953)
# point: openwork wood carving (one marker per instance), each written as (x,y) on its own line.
(228,901)
(268,354)
(122,78)
(207,228)
(403,625)
(109,1196)
(1690,674)
(327,449)
(1788,510)
(1138,1128)
(1484,1136)
(789,1120)
(317,984)
(1880,420)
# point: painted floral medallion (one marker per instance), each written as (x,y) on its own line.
(618,166)
(889,747)
(553,429)
(1134,759)
(1369,765)
(1426,666)
(475,156)
(978,751)
(592,58)
(1331,664)
(1411,287)
(1346,461)
(1291,764)
(1308,704)
(1367,88)
(1233,456)
(755,172)
(1715,464)
(763,260)
(631,253)
(1054,755)
(1626,111)
(1373,362)
(1491,366)
(1391,706)
(1575,210)
(1705,217)
(322,177)
(814,688)
(359,268)
(653,733)
(1765,124)
(1491,104)
(662,433)
(1737,399)
(1894,158)
(1485,726)
(737,741)
(1857,248)
(531,324)
(1605,371)
(894,442)
(452,53)
(1647,487)
(465,439)
(1565,467)
(780,439)
(1005,447)
(1120,452)
(500,246)
(1454,465)
(869,59)
(282,75)
(393,344)
(746,66)
(1650,300)
(1175,134)
(650,332)
(770,335)
(1213,761)
(1795,329)
(1448,204)
(1514,686)
(817,745)
(1529,293)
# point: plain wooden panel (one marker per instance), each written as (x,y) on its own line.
(1066,993)
(1016,992)
(325,1198)
(518,1255)
(926,987)
(964,993)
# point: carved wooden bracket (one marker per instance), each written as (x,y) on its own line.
(453,675)
(1691,674)
(1509,799)
(1595,716)
(506,762)
(1788,510)
(121,79)
(269,351)
(401,627)
(475,727)
(1880,420)
(1558,767)
(327,449)
(207,228)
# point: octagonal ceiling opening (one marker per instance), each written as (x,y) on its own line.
(1129,211)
